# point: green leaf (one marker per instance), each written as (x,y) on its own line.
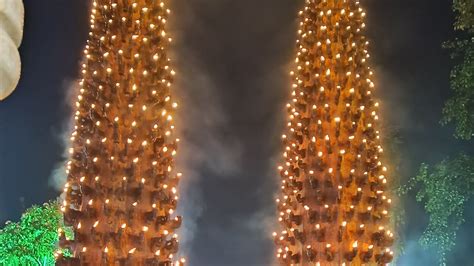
(444,190)
(459,108)
(34,239)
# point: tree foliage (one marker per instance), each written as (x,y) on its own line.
(33,240)
(459,108)
(465,14)
(392,141)
(445,190)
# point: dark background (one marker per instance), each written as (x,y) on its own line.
(232,58)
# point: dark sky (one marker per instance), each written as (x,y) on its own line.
(232,58)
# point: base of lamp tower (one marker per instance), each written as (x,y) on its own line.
(62,261)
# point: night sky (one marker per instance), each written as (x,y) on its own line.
(232,58)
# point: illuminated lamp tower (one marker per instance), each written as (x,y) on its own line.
(121,188)
(334,208)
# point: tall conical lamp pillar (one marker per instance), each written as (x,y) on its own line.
(121,192)
(334,209)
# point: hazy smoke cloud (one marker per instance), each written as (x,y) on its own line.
(58,175)
(204,145)
(412,80)
(415,255)
(231,87)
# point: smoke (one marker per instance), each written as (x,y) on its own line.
(263,222)
(58,176)
(412,72)
(415,255)
(204,144)
(232,82)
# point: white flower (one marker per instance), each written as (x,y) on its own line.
(11,32)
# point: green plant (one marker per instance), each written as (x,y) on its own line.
(34,239)
(444,190)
